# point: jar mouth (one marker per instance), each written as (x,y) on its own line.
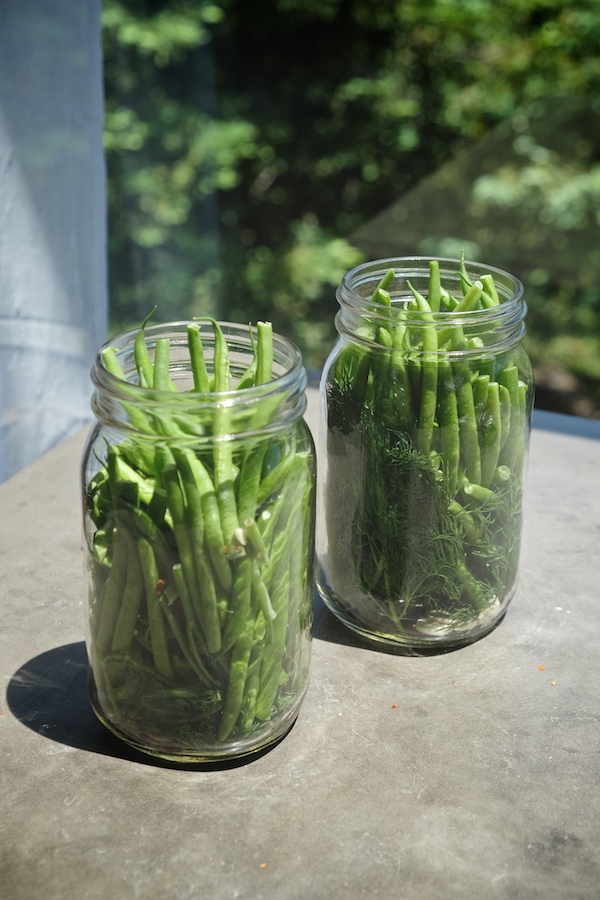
(113,395)
(241,339)
(360,313)
(359,284)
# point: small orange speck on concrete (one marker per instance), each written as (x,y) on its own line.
(394,706)
(541,668)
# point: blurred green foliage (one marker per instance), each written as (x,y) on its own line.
(248,143)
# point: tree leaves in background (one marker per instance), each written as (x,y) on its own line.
(248,142)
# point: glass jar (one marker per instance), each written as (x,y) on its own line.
(427,399)
(199,542)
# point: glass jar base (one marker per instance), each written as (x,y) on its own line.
(432,633)
(232,751)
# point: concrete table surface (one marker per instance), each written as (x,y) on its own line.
(473,774)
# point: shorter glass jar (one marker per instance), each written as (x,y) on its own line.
(199,540)
(427,399)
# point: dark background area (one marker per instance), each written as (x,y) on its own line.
(255,152)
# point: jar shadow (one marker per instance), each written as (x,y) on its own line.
(49,695)
(326,627)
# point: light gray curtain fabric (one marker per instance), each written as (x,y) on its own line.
(53,295)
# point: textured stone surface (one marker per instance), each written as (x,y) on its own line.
(473,774)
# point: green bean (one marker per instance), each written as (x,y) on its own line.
(471,586)
(490,290)
(400,379)
(198,485)
(434,295)
(248,378)
(158,639)
(161,364)
(290,499)
(224,475)
(477,492)
(384,284)
(112,364)
(247,713)
(469,440)
(485,299)
(382,297)
(490,434)
(277,580)
(481,385)
(124,472)
(465,281)
(380,366)
(197,361)
(453,335)
(250,480)
(429,370)
(137,418)
(254,538)
(185,599)
(471,298)
(139,521)
(518,455)
(113,592)
(142,357)
(272,481)
(262,594)
(238,669)
(264,359)
(187,652)
(185,533)
(270,669)
(449,427)
(189,534)
(504,414)
(472,532)
(501,475)
(509,378)
(447,301)
(131,600)
(360,378)
(241,598)
(191,621)
(255,454)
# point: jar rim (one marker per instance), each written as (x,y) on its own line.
(286,355)
(361,314)
(372,272)
(260,409)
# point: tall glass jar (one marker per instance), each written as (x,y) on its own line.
(426,399)
(199,542)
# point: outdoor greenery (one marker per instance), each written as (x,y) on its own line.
(248,144)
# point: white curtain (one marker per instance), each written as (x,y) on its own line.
(53,296)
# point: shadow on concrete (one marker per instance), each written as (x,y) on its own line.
(49,695)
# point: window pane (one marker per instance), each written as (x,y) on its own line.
(256,151)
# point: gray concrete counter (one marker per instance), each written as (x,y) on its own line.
(473,774)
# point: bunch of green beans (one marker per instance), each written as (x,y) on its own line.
(200,559)
(424,535)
